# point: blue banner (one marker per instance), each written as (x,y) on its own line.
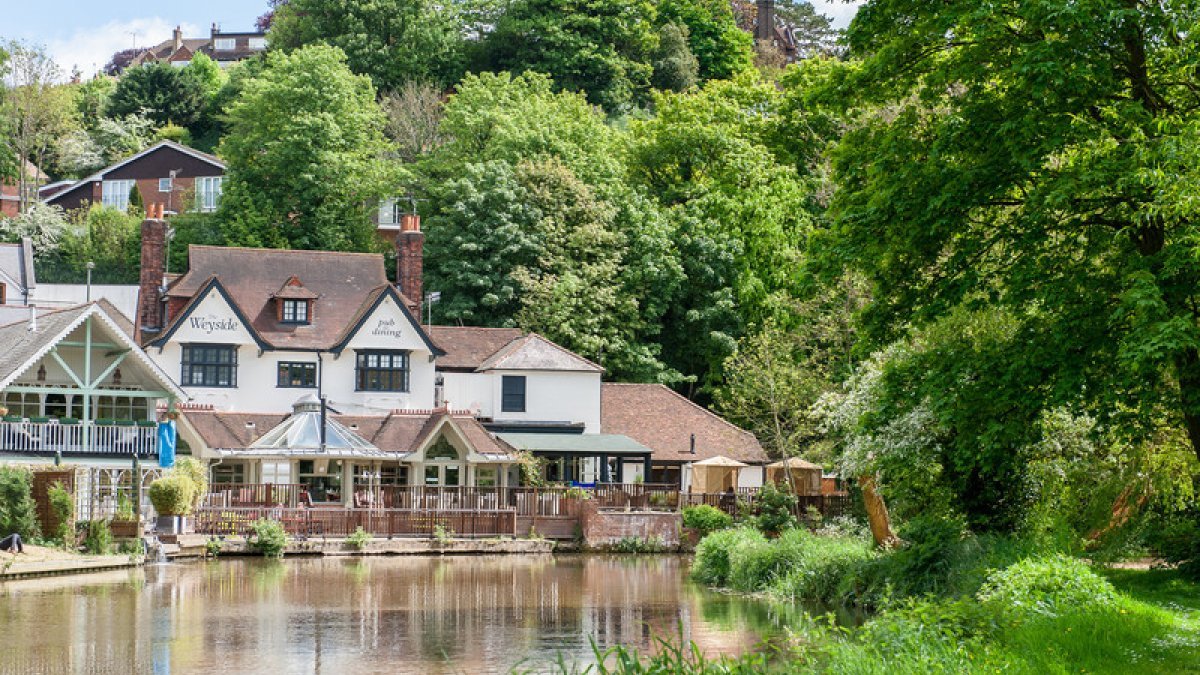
(166,444)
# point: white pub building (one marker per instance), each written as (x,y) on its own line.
(311,368)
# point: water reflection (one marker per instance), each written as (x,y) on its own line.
(330,615)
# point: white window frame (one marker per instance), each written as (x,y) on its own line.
(208,193)
(115,193)
(389,212)
(166,184)
(224,44)
(258,43)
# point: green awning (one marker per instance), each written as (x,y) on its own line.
(580,444)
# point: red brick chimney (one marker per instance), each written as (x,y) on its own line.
(150,317)
(410,255)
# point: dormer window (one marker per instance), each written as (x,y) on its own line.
(294,303)
(295,311)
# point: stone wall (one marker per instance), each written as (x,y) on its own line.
(603,527)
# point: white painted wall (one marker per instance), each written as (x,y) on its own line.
(214,322)
(552,396)
(124,296)
(469,391)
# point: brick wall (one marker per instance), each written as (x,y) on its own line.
(604,528)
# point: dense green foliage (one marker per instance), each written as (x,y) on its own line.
(269,538)
(162,92)
(18,511)
(600,47)
(97,537)
(172,495)
(391,41)
(305,153)
(706,519)
(62,511)
(722,49)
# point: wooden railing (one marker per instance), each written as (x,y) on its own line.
(224,495)
(51,437)
(337,522)
(524,501)
(828,506)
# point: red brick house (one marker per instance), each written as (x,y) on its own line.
(10,191)
(167,174)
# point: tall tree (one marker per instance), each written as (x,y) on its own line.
(1038,157)
(675,66)
(392,41)
(723,49)
(414,118)
(306,155)
(162,92)
(36,111)
(600,47)
(741,215)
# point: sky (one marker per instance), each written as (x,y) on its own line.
(84,34)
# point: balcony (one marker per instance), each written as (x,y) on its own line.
(104,438)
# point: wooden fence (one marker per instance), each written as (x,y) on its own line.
(339,522)
(828,506)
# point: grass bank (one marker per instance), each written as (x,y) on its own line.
(949,602)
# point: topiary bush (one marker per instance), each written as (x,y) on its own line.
(1048,585)
(712,563)
(269,538)
(706,519)
(172,495)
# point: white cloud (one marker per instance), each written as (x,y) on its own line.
(89,49)
(841,11)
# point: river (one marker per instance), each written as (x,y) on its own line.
(366,615)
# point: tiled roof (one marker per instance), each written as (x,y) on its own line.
(664,421)
(22,346)
(534,352)
(343,283)
(397,432)
(468,347)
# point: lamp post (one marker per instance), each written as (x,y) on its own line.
(90,266)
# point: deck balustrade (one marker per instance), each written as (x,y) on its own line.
(47,438)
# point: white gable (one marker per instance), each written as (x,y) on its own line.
(387,327)
(213,321)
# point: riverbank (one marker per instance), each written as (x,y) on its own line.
(38,561)
(943,604)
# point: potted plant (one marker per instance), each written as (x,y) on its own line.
(126,523)
(172,497)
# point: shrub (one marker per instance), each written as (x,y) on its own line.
(172,495)
(125,510)
(639,545)
(775,510)
(98,537)
(711,565)
(1178,542)
(18,511)
(706,519)
(820,572)
(198,474)
(212,547)
(359,539)
(62,508)
(1048,585)
(442,534)
(269,538)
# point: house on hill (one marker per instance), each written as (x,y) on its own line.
(225,48)
(167,175)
